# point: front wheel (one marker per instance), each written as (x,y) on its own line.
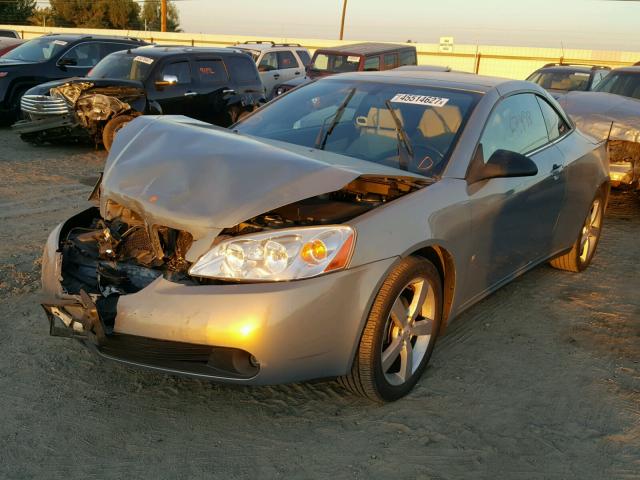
(400,332)
(582,251)
(112,127)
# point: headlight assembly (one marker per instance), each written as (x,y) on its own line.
(287,254)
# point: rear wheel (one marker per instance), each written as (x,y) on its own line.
(112,127)
(400,333)
(582,251)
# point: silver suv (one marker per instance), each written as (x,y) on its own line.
(277,62)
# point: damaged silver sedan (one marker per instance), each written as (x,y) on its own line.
(333,233)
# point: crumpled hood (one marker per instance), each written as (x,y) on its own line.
(189,175)
(604,115)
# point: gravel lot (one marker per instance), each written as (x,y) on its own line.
(540,380)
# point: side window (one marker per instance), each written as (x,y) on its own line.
(211,72)
(556,126)
(84,55)
(408,57)
(286,59)
(111,47)
(390,61)
(269,62)
(598,75)
(516,124)
(242,70)
(304,56)
(180,70)
(371,64)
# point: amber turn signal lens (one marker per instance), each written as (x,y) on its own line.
(314,251)
(343,256)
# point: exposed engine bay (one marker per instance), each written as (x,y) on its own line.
(121,254)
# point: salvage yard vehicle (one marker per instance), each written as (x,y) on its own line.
(211,84)
(611,113)
(333,233)
(277,62)
(51,57)
(4,33)
(8,43)
(357,57)
(563,77)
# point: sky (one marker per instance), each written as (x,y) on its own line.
(589,24)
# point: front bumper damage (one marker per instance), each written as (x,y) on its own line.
(260,333)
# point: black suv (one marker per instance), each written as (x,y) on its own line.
(51,57)
(216,85)
(561,77)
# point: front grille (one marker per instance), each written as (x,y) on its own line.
(43,105)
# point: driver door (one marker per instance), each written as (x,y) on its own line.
(178,96)
(269,73)
(513,219)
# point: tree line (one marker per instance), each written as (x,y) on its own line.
(113,14)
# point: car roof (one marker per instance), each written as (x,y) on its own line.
(367,48)
(631,69)
(456,80)
(567,68)
(68,37)
(260,45)
(158,51)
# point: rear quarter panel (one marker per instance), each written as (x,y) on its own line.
(587,170)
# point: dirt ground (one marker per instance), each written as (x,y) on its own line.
(540,380)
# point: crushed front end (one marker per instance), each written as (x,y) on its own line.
(122,287)
(75,109)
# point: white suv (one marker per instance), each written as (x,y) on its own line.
(277,62)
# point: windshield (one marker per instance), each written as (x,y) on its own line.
(561,80)
(335,63)
(123,66)
(621,83)
(353,118)
(37,50)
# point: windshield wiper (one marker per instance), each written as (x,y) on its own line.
(322,139)
(404,144)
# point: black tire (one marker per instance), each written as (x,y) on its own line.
(367,377)
(576,260)
(112,127)
(14,113)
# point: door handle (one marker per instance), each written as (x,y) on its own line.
(297,73)
(229,91)
(276,76)
(190,94)
(556,169)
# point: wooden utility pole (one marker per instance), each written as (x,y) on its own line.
(344,12)
(163,15)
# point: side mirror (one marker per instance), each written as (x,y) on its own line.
(265,68)
(167,80)
(501,164)
(67,62)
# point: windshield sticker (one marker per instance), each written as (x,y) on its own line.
(581,74)
(59,42)
(425,100)
(352,58)
(142,59)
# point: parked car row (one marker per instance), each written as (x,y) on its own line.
(334,231)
